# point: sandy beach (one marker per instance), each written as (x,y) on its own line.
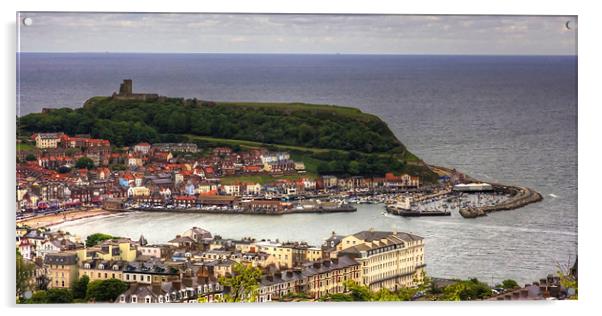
(50,220)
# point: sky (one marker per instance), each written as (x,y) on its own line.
(304,34)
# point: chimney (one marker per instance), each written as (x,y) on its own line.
(335,260)
(289,274)
(316,265)
(270,278)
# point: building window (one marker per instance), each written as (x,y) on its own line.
(134,299)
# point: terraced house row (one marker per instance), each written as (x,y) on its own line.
(188,268)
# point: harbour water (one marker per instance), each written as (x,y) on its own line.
(505,119)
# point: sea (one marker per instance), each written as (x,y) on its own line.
(506,119)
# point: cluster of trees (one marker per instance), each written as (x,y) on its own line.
(94,239)
(243,284)
(81,291)
(30,290)
(25,271)
(461,290)
(84,163)
(358,292)
(127,122)
(466,290)
(353,163)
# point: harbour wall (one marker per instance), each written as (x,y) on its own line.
(519,196)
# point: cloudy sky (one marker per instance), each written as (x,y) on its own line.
(247,33)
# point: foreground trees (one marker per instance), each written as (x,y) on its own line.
(243,285)
(24,277)
(105,290)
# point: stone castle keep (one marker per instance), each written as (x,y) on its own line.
(125,93)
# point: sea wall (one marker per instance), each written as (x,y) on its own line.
(519,196)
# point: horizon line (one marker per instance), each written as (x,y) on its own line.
(292,53)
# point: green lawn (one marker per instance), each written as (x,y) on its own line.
(251,144)
(340,110)
(24,146)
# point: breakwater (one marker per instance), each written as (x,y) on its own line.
(519,196)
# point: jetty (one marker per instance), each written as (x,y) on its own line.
(519,196)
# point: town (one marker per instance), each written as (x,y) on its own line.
(199,267)
(189,267)
(63,172)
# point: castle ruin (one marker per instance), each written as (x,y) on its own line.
(125,93)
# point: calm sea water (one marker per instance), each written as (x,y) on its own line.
(511,119)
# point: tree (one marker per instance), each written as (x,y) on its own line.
(569,280)
(243,284)
(30,157)
(39,297)
(466,290)
(63,169)
(84,163)
(354,168)
(94,239)
(358,292)
(105,290)
(509,284)
(24,274)
(80,287)
(59,296)
(42,282)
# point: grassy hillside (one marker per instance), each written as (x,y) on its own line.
(330,139)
